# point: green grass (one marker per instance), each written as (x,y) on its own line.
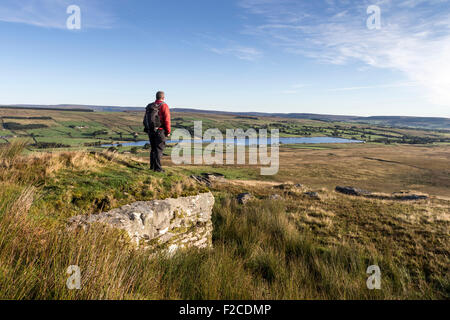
(5,132)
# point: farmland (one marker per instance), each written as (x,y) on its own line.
(75,130)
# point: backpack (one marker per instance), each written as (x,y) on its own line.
(152,122)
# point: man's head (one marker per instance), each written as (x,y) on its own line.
(160,96)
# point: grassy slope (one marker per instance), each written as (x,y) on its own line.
(293,248)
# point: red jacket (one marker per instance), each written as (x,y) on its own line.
(164,115)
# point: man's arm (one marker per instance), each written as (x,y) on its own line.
(145,122)
(165,118)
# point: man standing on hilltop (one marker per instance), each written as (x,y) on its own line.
(157,125)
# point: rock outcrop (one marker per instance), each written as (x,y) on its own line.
(243,198)
(312,195)
(400,196)
(352,191)
(209,178)
(166,224)
(275,197)
(288,186)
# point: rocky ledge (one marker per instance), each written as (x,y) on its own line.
(166,224)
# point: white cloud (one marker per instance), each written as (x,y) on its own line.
(52,13)
(414,38)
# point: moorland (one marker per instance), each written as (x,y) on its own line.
(297,238)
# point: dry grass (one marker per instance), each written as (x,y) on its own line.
(376,168)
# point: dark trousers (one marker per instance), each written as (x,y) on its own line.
(158,144)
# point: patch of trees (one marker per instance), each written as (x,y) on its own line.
(18,126)
(247,118)
(411,140)
(49,145)
(93,144)
(27,118)
(99,133)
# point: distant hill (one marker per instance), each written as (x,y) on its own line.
(389,121)
(411,122)
(72,107)
(310,116)
(434,123)
(55,108)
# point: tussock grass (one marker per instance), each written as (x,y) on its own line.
(258,254)
(263,250)
(10,152)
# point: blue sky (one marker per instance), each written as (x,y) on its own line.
(233,55)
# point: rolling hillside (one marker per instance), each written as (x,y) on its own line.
(388,121)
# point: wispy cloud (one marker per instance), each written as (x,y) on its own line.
(243,53)
(383,86)
(294,89)
(414,38)
(52,13)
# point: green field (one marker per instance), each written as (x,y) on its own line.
(66,129)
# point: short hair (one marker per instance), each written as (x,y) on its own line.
(159,95)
